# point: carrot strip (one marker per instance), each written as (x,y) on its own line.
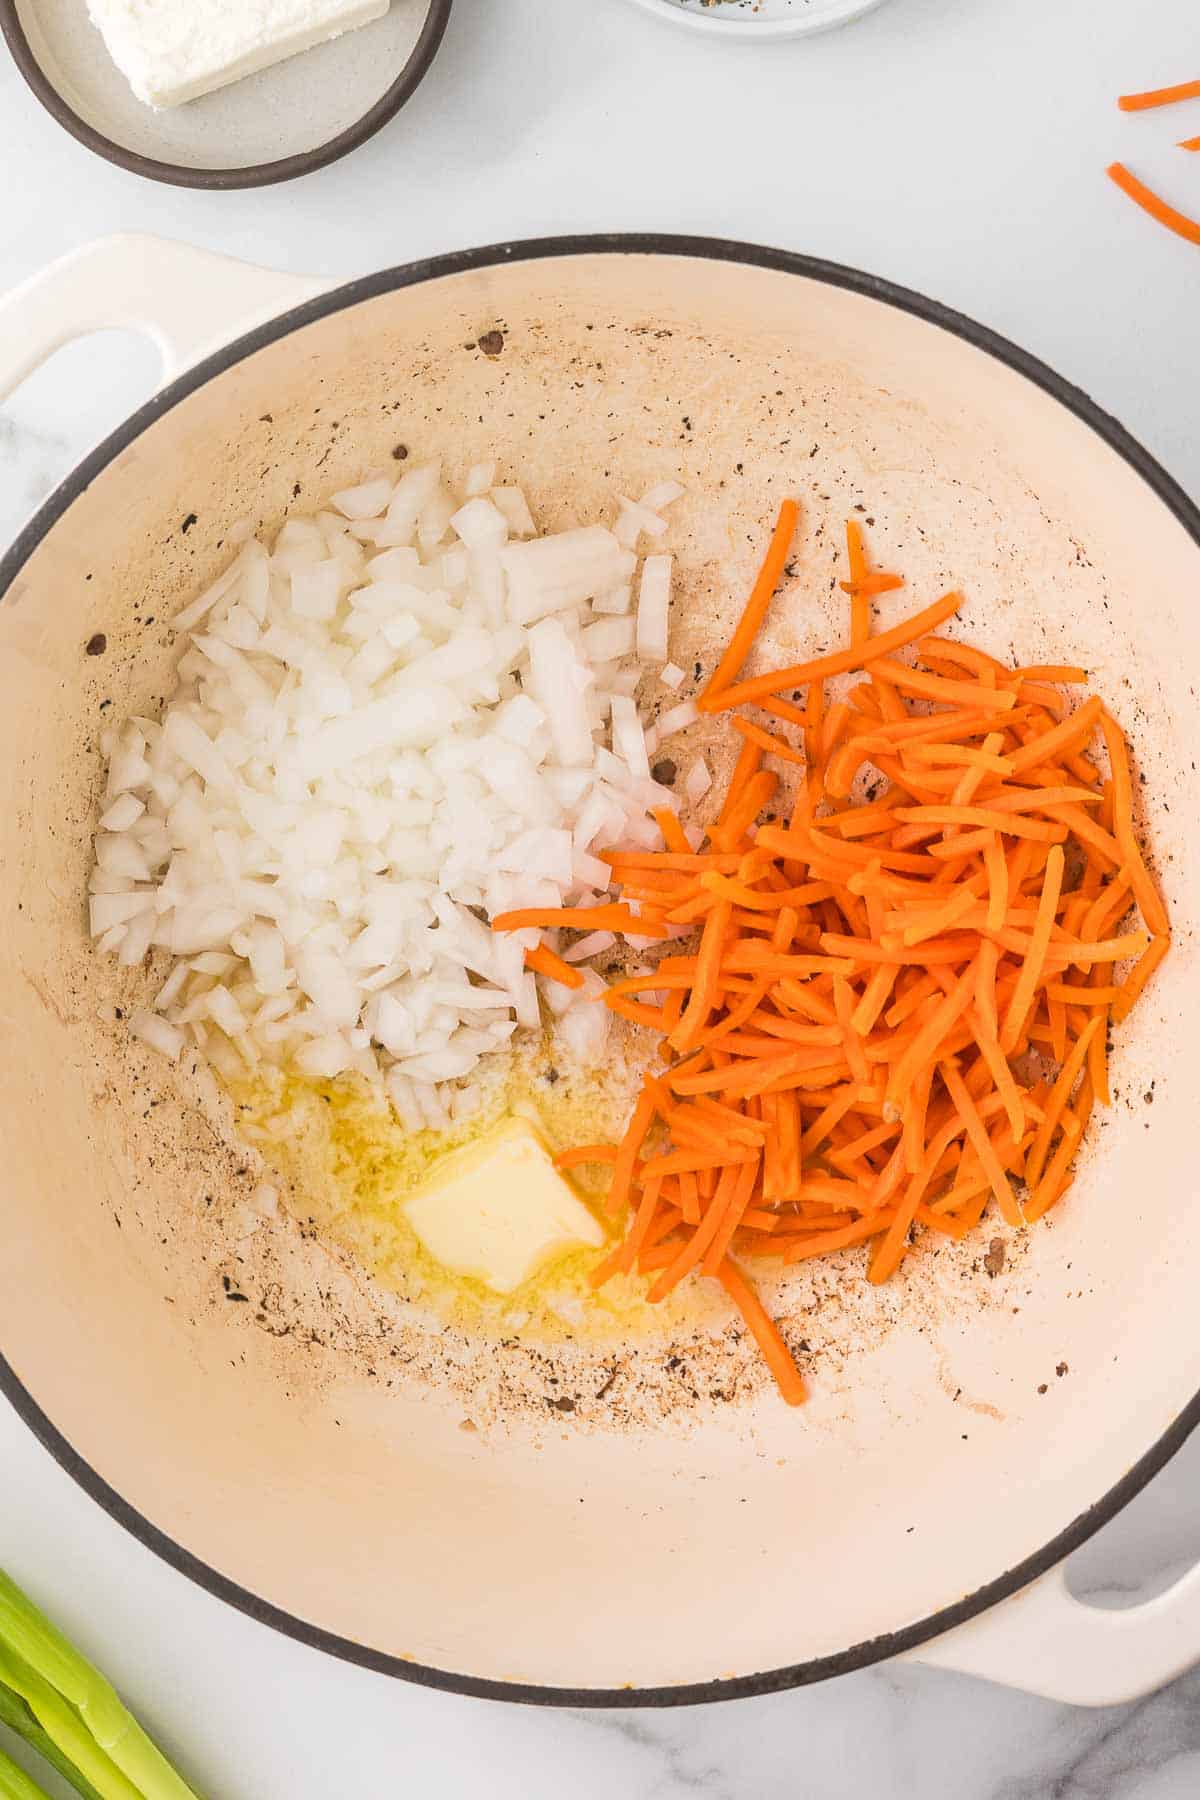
(1000,1072)
(673,833)
(696,862)
(735,1212)
(756,794)
(1145,892)
(838,662)
(987,818)
(936,687)
(1097,1059)
(1136,980)
(1056,1180)
(766,1334)
(615,917)
(690,1254)
(544,962)
(761,594)
(627,1152)
(703,996)
(929,1039)
(823,1243)
(642,1223)
(767,741)
(654,1018)
(916,1121)
(880,984)
(1167,96)
(981,1143)
(783,709)
(860,605)
(747,765)
(1057,1101)
(679,1161)
(1035,959)
(1154,204)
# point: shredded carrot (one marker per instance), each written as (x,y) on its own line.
(778,1356)
(1145,893)
(767,741)
(631,1144)
(673,833)
(1189,143)
(729,667)
(838,662)
(1167,96)
(544,961)
(1031,968)
(1136,981)
(864,584)
(580,918)
(1154,204)
(1059,1095)
(844,1041)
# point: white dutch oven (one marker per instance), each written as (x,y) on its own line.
(922,1502)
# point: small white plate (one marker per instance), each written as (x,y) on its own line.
(284,121)
(754,20)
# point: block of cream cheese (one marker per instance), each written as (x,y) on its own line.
(498,1209)
(175,50)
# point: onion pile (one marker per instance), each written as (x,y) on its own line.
(407,715)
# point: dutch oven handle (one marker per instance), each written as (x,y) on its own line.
(188,301)
(1049,1643)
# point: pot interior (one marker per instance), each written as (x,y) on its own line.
(307,1443)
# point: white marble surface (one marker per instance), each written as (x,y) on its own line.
(957,146)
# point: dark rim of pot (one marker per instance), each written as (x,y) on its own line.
(367,287)
(286,168)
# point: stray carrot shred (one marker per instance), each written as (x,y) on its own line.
(543,961)
(1167,96)
(1154,204)
(843,1048)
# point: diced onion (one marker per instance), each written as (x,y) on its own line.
(697,781)
(401,714)
(677,718)
(654,605)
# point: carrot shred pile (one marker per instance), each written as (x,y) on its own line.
(895,1012)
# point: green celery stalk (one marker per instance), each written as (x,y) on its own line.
(15,1784)
(67,1677)
(59,1719)
(16,1715)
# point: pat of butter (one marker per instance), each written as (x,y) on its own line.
(498,1209)
(170,51)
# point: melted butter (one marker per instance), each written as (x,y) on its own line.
(349,1164)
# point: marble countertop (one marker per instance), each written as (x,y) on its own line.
(957,146)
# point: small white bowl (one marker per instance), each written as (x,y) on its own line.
(754,20)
